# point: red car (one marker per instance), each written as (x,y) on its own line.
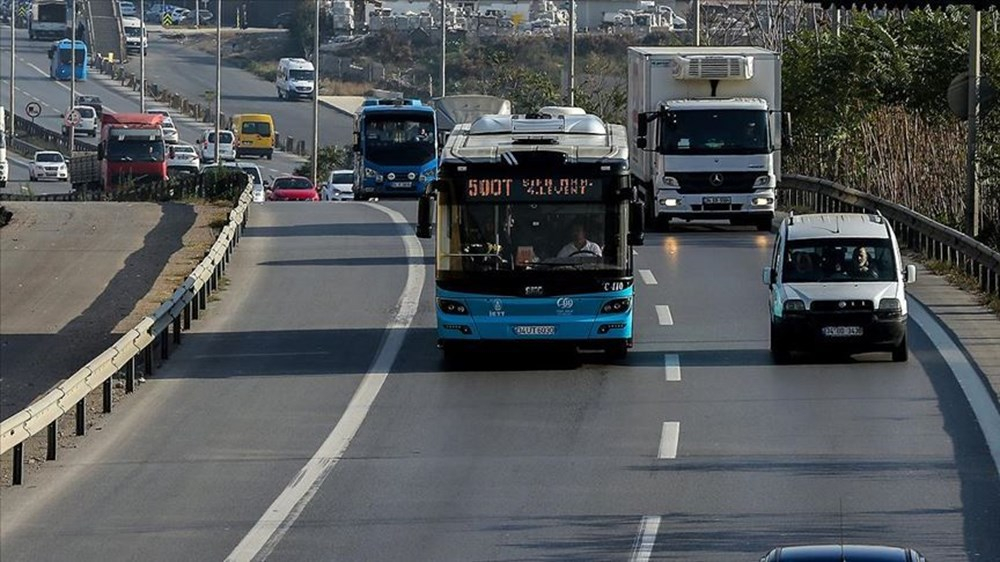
(292,188)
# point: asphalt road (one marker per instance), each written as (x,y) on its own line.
(192,73)
(527,456)
(33,84)
(69,273)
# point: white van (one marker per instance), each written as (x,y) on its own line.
(136,38)
(227,146)
(296,78)
(837,284)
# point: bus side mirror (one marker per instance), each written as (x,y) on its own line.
(424,216)
(637,223)
(786,129)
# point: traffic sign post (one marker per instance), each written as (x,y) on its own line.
(73,119)
(167,19)
(33,109)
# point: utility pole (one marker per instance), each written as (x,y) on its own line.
(572,52)
(315,143)
(218,80)
(142,57)
(972,202)
(836,21)
(13,67)
(444,44)
(72,84)
(696,16)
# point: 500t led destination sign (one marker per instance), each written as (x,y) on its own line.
(532,189)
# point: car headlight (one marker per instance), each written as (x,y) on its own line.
(889,308)
(794,305)
(616,305)
(670,181)
(449,306)
(762,181)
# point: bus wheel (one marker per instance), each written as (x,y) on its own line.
(616,351)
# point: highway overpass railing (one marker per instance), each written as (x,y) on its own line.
(135,346)
(919,233)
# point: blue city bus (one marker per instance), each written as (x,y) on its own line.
(395,148)
(535,222)
(61,60)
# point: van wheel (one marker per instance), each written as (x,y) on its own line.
(269,155)
(280,97)
(901,353)
(779,348)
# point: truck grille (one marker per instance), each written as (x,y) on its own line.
(731,182)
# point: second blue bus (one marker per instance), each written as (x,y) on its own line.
(395,146)
(64,60)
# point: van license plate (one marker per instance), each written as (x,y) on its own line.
(534,330)
(716,200)
(842,331)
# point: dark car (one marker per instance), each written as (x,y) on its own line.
(282,20)
(842,553)
(92,101)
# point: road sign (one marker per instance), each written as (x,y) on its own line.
(168,19)
(33,109)
(73,118)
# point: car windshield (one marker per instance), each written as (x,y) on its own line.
(534,236)
(399,139)
(48,157)
(292,183)
(183,149)
(729,131)
(342,177)
(135,150)
(227,137)
(262,128)
(833,260)
(300,74)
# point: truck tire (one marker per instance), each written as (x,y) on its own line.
(764,224)
(662,223)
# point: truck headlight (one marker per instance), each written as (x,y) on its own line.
(762,181)
(670,181)
(670,202)
(762,201)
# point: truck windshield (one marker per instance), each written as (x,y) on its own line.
(532,237)
(135,151)
(832,260)
(52,13)
(405,140)
(716,131)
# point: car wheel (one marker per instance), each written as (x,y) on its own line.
(779,348)
(901,352)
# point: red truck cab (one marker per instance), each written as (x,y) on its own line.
(131,150)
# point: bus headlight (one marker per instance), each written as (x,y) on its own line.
(615,306)
(370,173)
(449,306)
(411,176)
(762,181)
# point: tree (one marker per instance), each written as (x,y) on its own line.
(330,158)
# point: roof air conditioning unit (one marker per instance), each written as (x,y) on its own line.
(713,67)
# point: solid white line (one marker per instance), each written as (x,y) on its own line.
(281,515)
(663,314)
(635,252)
(647,277)
(642,549)
(672,366)
(972,385)
(669,437)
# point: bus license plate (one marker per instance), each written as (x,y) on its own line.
(842,331)
(400,184)
(717,200)
(534,330)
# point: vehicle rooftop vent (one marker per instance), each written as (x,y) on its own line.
(713,67)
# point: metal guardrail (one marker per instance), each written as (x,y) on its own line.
(178,311)
(931,238)
(28,128)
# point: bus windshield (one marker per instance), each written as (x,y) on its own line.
(65,56)
(533,237)
(397,139)
(136,151)
(716,131)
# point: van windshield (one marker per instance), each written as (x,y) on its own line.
(300,74)
(262,128)
(833,260)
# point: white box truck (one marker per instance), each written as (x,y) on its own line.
(705,131)
(136,37)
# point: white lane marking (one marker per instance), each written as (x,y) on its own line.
(286,508)
(635,252)
(672,366)
(647,277)
(274,354)
(663,314)
(642,549)
(972,385)
(669,437)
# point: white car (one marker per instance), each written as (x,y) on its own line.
(837,283)
(170,135)
(89,123)
(227,146)
(339,186)
(127,9)
(183,158)
(48,165)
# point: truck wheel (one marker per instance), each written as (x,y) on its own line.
(662,223)
(764,225)
(779,348)
(901,353)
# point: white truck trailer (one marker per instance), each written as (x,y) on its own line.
(705,131)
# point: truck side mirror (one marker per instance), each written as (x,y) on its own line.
(786,129)
(100,151)
(642,128)
(424,216)
(636,223)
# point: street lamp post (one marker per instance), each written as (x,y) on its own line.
(572,52)
(696,16)
(972,200)
(13,67)
(444,44)
(72,84)
(315,108)
(142,56)
(218,79)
